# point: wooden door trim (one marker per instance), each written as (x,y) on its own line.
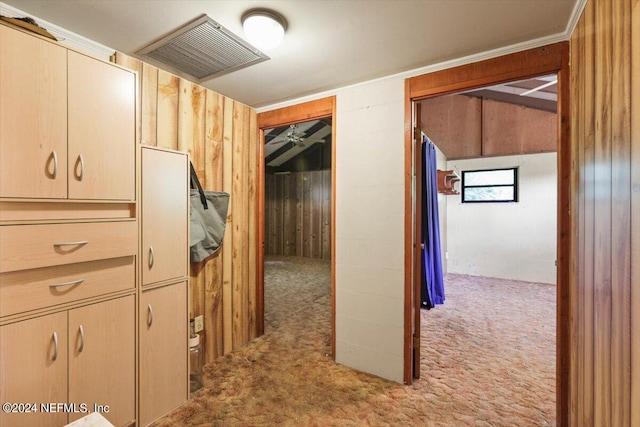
(550,59)
(307,111)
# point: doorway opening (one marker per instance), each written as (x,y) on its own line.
(296,208)
(496,172)
(546,60)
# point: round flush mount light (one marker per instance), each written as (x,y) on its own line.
(263,28)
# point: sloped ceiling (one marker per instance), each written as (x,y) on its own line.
(328,44)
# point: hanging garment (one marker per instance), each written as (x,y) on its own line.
(432,282)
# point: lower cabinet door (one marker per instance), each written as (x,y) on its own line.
(33,372)
(102,359)
(163,351)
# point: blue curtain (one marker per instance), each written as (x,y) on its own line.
(432,280)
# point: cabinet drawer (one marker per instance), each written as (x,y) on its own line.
(34,246)
(26,290)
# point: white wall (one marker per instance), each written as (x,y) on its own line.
(507,240)
(370,228)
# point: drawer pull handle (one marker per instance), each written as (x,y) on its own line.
(151,257)
(73,282)
(81,161)
(81,330)
(54,173)
(78,243)
(55,346)
(150,315)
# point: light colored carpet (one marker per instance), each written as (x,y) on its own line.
(488,359)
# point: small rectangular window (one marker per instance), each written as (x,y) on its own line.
(490,186)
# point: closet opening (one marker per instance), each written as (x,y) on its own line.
(488,221)
(536,62)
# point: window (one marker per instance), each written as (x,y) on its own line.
(490,186)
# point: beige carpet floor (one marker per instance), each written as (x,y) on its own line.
(488,359)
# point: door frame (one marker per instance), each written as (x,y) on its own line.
(550,59)
(304,112)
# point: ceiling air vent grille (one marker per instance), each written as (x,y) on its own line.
(202,49)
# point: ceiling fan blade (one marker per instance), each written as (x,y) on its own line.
(276,141)
(315,140)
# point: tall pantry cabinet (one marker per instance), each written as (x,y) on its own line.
(68,234)
(163,310)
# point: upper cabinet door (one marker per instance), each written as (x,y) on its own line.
(101,130)
(33,117)
(165,197)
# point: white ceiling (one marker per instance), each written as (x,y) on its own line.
(328,44)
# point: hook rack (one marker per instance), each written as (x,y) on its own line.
(446,182)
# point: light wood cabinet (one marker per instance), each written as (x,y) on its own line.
(69,236)
(163,350)
(91,347)
(33,116)
(102,358)
(67,123)
(165,198)
(33,369)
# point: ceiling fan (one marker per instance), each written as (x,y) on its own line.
(296,137)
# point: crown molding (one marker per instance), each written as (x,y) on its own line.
(65,37)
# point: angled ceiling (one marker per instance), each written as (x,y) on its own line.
(300,147)
(328,44)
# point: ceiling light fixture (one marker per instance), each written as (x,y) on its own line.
(263,28)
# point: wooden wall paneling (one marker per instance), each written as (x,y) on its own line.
(216,131)
(454,124)
(620,212)
(306,214)
(588,260)
(278,208)
(635,212)
(289,229)
(167,106)
(213,270)
(269,183)
(149,105)
(316,229)
(239,162)
(602,261)
(509,129)
(288,199)
(252,141)
(326,214)
(577,377)
(191,135)
(299,214)
(229,240)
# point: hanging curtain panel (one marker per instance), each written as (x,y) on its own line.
(432,277)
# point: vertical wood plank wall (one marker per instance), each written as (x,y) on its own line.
(298,214)
(221,135)
(605,110)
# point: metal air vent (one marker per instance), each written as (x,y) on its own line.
(202,49)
